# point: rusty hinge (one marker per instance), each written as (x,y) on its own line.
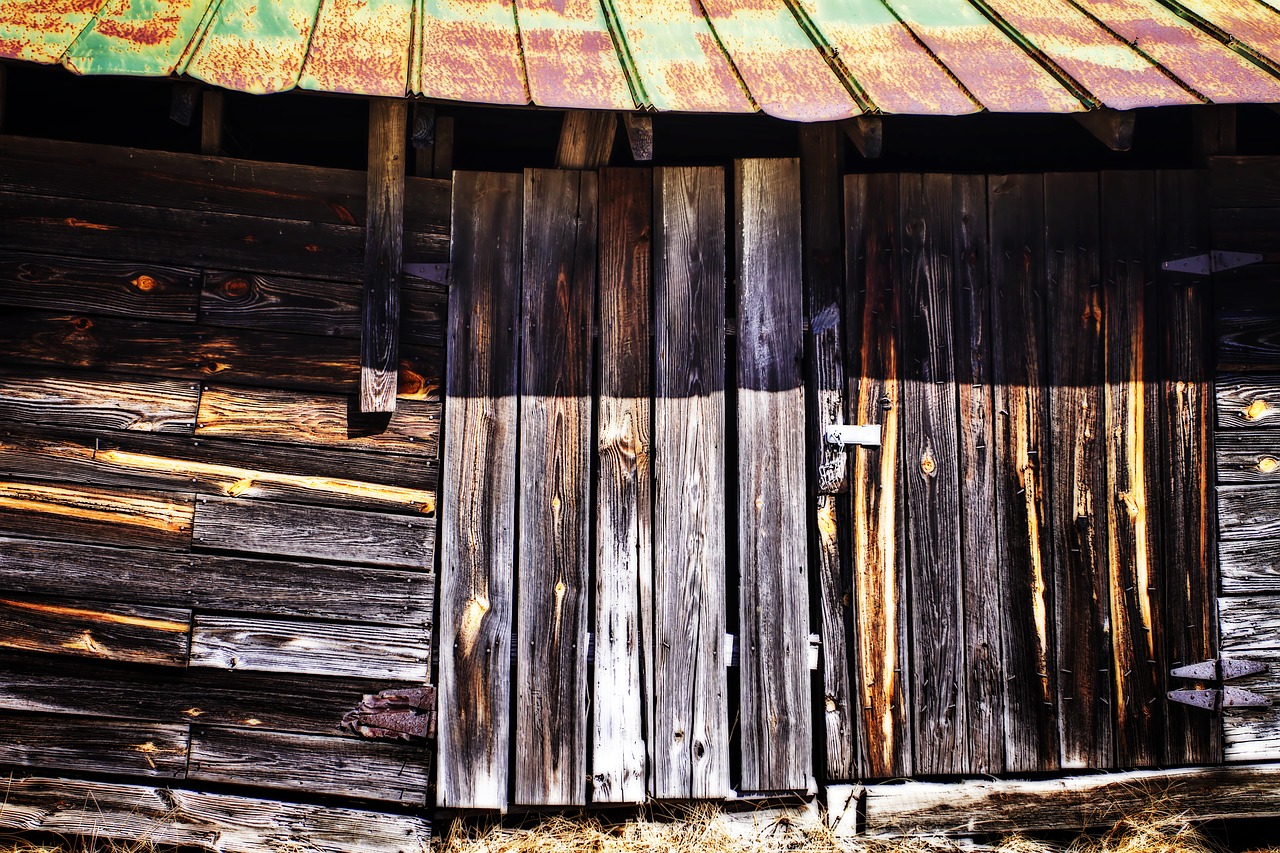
(404,714)
(1212,262)
(1221,695)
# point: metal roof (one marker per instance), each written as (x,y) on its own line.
(806,60)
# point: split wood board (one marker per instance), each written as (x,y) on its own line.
(94,745)
(109,631)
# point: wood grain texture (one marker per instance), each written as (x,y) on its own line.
(586,139)
(345,649)
(775,716)
(477,505)
(217,823)
(321,533)
(983,688)
(1247,456)
(1078,490)
(53,398)
(553,571)
(343,767)
(877,553)
(383,255)
(623,674)
(1249,400)
(1247,340)
(1248,512)
(103,287)
(109,631)
(1244,182)
(90,745)
(1133,462)
(1022,445)
(931,476)
(328,420)
(107,516)
(1254,735)
(691,727)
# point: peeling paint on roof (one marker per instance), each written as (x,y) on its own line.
(805,60)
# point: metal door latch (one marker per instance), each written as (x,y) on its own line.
(1211,262)
(406,714)
(841,435)
(1220,696)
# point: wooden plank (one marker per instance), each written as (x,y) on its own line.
(775,717)
(211,110)
(180,351)
(1247,340)
(295,530)
(1249,631)
(1244,181)
(1245,229)
(343,767)
(108,516)
(89,745)
(442,153)
(553,571)
(477,515)
(1249,623)
(876,547)
(58,398)
(102,287)
(1248,512)
(1247,400)
(984,677)
(1187,442)
(110,631)
(1078,491)
(821,168)
(1016,210)
(383,255)
(586,139)
(217,823)
(313,307)
(624,533)
(1247,456)
(690,743)
(931,474)
(215,582)
(1133,463)
(1254,735)
(346,649)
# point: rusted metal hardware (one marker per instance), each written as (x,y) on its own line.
(841,435)
(1221,695)
(1222,669)
(402,714)
(438,273)
(1212,262)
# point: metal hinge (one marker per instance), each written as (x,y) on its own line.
(1211,262)
(1221,696)
(841,435)
(404,714)
(438,273)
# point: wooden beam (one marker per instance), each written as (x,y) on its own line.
(422,138)
(1113,128)
(3,93)
(383,255)
(1214,130)
(867,134)
(211,122)
(183,98)
(639,129)
(586,139)
(442,152)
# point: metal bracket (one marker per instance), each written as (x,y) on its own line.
(1221,696)
(1222,669)
(841,435)
(439,273)
(1211,262)
(406,714)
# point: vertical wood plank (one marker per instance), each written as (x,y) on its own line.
(211,111)
(879,584)
(821,171)
(553,568)
(984,672)
(1188,571)
(931,475)
(477,503)
(1133,454)
(624,533)
(773,634)
(586,139)
(1016,220)
(1078,492)
(383,256)
(442,148)
(690,739)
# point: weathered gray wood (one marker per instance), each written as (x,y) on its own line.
(216,582)
(93,745)
(477,507)
(1244,181)
(344,767)
(553,573)
(1247,456)
(775,720)
(1249,623)
(266,414)
(343,649)
(106,516)
(105,287)
(294,530)
(58,398)
(624,532)
(1249,512)
(383,255)
(109,631)
(586,139)
(1254,735)
(639,128)
(1248,400)
(690,742)
(1247,566)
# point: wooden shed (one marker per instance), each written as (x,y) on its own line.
(599,402)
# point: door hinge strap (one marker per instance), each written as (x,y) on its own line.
(1222,669)
(1219,698)
(1211,262)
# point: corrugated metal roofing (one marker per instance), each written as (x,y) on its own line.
(806,60)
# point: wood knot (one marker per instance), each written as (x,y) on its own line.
(236,287)
(1268,465)
(1256,410)
(145,283)
(928,464)
(82,324)
(312,247)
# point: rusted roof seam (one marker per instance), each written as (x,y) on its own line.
(830,54)
(929,52)
(524,65)
(733,66)
(1071,84)
(1229,39)
(306,55)
(92,22)
(630,70)
(197,37)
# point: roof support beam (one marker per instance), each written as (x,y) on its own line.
(586,139)
(1214,129)
(211,122)
(867,134)
(383,256)
(639,129)
(1113,128)
(3,92)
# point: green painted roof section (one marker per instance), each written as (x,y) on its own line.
(145,38)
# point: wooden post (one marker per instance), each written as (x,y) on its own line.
(211,122)
(1214,130)
(3,94)
(1113,128)
(383,255)
(422,137)
(586,139)
(442,149)
(639,129)
(866,133)
(182,102)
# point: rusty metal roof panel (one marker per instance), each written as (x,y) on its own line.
(570,57)
(895,73)
(255,46)
(146,38)
(675,60)
(786,74)
(1198,59)
(1106,67)
(469,50)
(360,47)
(1253,25)
(42,31)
